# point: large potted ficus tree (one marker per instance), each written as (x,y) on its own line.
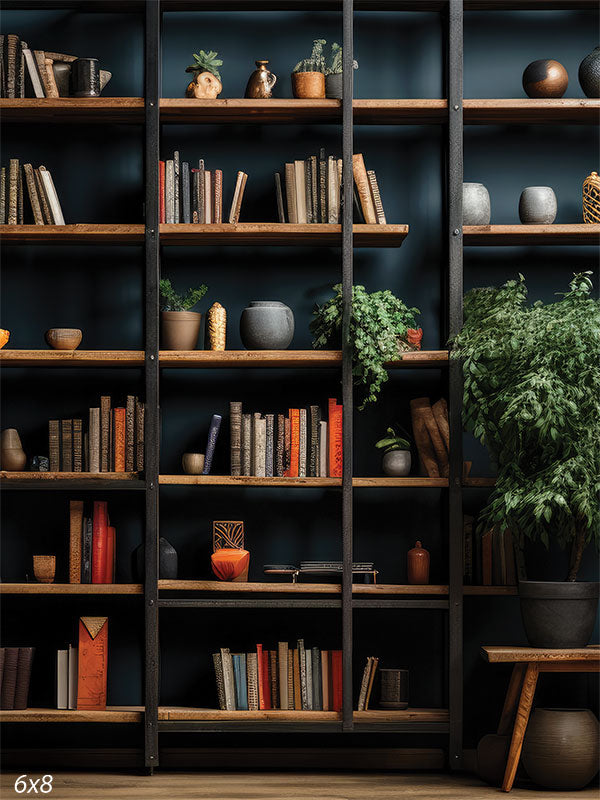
(532,396)
(382,327)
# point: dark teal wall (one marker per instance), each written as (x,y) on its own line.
(98,173)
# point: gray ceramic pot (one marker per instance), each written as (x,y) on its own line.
(334,86)
(397,463)
(557,614)
(267,325)
(537,205)
(476,204)
(560,749)
(589,74)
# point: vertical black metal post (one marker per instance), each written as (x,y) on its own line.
(347,392)
(455,295)
(152,431)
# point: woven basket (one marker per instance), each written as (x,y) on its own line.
(591,198)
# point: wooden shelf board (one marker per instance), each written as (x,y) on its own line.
(269,587)
(473,483)
(496,654)
(210,359)
(278,715)
(71,588)
(512,235)
(399,483)
(71,358)
(112,714)
(279,234)
(295,483)
(41,477)
(107,110)
(528,111)
(501,591)
(83,233)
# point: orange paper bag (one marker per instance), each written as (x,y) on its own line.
(93,663)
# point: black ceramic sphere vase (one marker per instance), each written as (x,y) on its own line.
(167,561)
(557,614)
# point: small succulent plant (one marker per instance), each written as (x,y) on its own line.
(316,62)
(206,62)
(335,65)
(393,442)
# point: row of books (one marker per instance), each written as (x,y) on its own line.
(366,685)
(195,195)
(113,442)
(92,543)
(82,670)
(44,206)
(313,191)
(15,673)
(27,72)
(431,433)
(298,445)
(300,679)
(66,677)
(489,559)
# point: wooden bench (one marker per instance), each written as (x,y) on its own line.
(528,663)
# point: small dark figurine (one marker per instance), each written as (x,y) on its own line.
(40,464)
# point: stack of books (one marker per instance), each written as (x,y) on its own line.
(18,62)
(300,679)
(113,442)
(92,544)
(195,195)
(15,673)
(81,672)
(489,559)
(431,433)
(298,445)
(44,206)
(335,567)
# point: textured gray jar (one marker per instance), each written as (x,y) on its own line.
(476,204)
(589,74)
(537,205)
(267,325)
(397,463)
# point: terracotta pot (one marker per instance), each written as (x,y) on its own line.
(64,338)
(192,463)
(560,749)
(44,568)
(180,329)
(308,84)
(13,457)
(418,565)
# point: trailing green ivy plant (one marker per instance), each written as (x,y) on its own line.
(379,329)
(532,396)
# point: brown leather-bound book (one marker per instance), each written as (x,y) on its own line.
(33,195)
(287,440)
(218,196)
(41,191)
(313,460)
(13,190)
(66,450)
(77,445)
(290,680)
(139,435)
(24,662)
(75,527)
(376,197)
(486,559)
(290,193)
(236,203)
(297,685)
(441,453)
(274,678)
(130,434)
(54,445)
(322,186)
(51,79)
(427,459)
(235,430)
(119,436)
(12,45)
(94,440)
(40,60)
(371,681)
(364,189)
(105,426)
(440,413)
(9,678)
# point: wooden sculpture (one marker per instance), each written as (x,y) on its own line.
(591,198)
(229,560)
(204,86)
(217,327)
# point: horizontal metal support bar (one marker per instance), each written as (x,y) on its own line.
(249,602)
(400,602)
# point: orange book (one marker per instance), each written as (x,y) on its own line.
(336,451)
(99,541)
(109,575)
(295,442)
(120,439)
(486,558)
(336,679)
(92,663)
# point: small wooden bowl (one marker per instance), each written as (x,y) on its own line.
(192,463)
(64,338)
(44,568)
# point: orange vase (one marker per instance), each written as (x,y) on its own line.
(230,564)
(418,565)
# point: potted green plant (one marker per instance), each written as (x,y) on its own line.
(532,396)
(180,326)
(206,83)
(381,328)
(308,76)
(334,73)
(396,454)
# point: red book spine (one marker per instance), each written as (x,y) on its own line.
(99,541)
(336,452)
(109,575)
(295,442)
(161,191)
(266,681)
(120,435)
(336,679)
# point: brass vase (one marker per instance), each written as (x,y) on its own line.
(261,82)
(13,458)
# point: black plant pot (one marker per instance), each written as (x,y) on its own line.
(558,615)
(167,561)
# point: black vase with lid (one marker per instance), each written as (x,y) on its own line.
(167,561)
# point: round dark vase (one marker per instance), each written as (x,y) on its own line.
(560,749)
(167,561)
(267,325)
(86,77)
(589,74)
(334,86)
(492,752)
(556,614)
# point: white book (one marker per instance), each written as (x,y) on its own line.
(228,679)
(52,196)
(323,450)
(332,191)
(72,681)
(259,447)
(300,186)
(170,192)
(309,686)
(302,444)
(62,678)
(34,75)
(207,197)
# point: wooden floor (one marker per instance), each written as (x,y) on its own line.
(277,786)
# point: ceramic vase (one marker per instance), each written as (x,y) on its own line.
(167,561)
(64,338)
(397,463)
(334,85)
(418,565)
(85,76)
(44,568)
(558,614)
(179,329)
(13,458)
(545,78)
(476,204)
(62,76)
(192,463)
(560,749)
(267,325)
(231,564)
(308,85)
(394,688)
(537,205)
(589,73)
(261,82)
